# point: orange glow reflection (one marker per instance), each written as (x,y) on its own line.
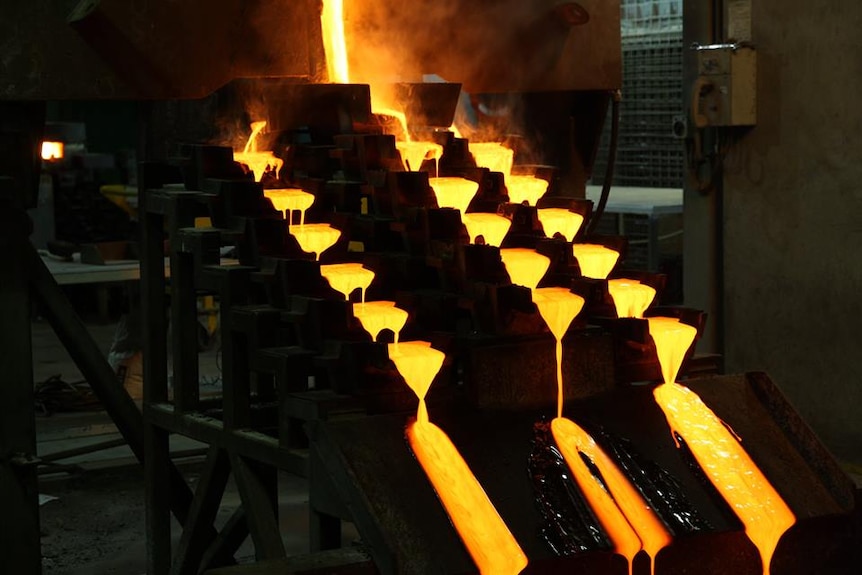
(716,448)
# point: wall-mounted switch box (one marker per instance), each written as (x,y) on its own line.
(725,93)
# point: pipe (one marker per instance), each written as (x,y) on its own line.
(609,170)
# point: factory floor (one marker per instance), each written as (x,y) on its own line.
(92,508)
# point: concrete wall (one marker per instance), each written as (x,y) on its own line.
(793,217)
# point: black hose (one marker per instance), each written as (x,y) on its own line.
(609,170)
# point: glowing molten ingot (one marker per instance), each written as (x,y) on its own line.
(53,150)
(315,238)
(595,261)
(290,200)
(345,278)
(558,307)
(493,156)
(526,189)
(454,192)
(717,450)
(562,221)
(491,227)
(631,298)
(375,316)
(624,514)
(488,540)
(414,153)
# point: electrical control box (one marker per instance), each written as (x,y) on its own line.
(725,93)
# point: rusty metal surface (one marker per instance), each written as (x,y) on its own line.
(398,514)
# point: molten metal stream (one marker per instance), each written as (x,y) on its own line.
(486,536)
(334,43)
(257,161)
(624,514)
(716,448)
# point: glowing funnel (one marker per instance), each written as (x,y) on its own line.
(315,238)
(454,192)
(494,156)
(672,339)
(526,189)
(375,316)
(525,267)
(631,298)
(345,278)
(414,153)
(290,200)
(560,221)
(491,227)
(258,162)
(595,261)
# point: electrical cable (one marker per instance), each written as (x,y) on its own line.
(609,170)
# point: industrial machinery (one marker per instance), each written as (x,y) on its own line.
(329,212)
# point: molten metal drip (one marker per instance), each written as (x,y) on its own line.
(345,278)
(53,150)
(560,221)
(375,316)
(454,192)
(257,162)
(491,227)
(631,298)
(716,448)
(526,189)
(525,267)
(494,156)
(486,536)
(595,261)
(558,307)
(315,238)
(289,201)
(414,153)
(334,43)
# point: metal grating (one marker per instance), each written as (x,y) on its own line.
(648,155)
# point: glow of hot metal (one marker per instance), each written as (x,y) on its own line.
(491,227)
(631,297)
(484,533)
(529,189)
(53,150)
(315,238)
(334,42)
(258,162)
(414,153)
(289,200)
(595,261)
(718,451)
(454,192)
(494,156)
(375,316)
(560,220)
(345,278)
